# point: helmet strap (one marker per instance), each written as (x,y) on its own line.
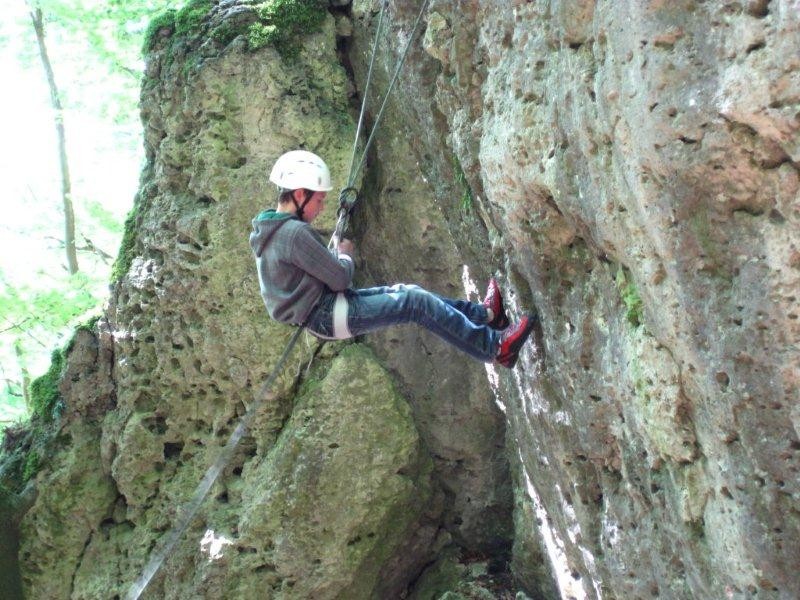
(301,207)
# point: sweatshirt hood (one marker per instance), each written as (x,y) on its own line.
(264,227)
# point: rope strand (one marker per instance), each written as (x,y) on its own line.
(187,513)
(389,90)
(351,177)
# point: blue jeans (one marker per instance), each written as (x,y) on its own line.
(459,322)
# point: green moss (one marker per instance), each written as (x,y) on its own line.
(8,500)
(164,20)
(189,18)
(88,325)
(32,463)
(23,453)
(181,23)
(45,397)
(630,297)
(225,33)
(282,21)
(126,250)
(467,199)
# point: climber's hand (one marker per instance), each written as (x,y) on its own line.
(347,247)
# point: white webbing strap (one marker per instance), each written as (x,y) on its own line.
(340,308)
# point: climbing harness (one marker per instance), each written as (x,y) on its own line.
(347,201)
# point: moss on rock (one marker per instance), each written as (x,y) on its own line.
(45,397)
(189,18)
(350,442)
(162,23)
(280,21)
(126,254)
(630,297)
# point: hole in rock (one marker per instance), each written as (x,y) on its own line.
(156,424)
(759,9)
(263,568)
(172,450)
(776,217)
(722,379)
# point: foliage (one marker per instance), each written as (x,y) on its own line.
(630,297)
(283,20)
(95,48)
(27,307)
(113,29)
(102,217)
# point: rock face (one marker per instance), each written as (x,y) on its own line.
(633,171)
(636,163)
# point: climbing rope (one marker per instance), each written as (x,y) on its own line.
(400,63)
(349,195)
(347,200)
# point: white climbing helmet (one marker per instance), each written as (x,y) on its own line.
(301,169)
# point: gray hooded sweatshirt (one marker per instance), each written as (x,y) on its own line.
(294,266)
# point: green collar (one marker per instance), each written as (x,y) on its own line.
(273,215)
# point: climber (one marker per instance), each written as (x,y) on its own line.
(304,283)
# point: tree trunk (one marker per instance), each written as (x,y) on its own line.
(66,186)
(26,378)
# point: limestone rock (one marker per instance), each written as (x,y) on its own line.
(632,171)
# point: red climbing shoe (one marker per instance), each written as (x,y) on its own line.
(494,301)
(513,339)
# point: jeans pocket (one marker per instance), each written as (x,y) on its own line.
(321,319)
